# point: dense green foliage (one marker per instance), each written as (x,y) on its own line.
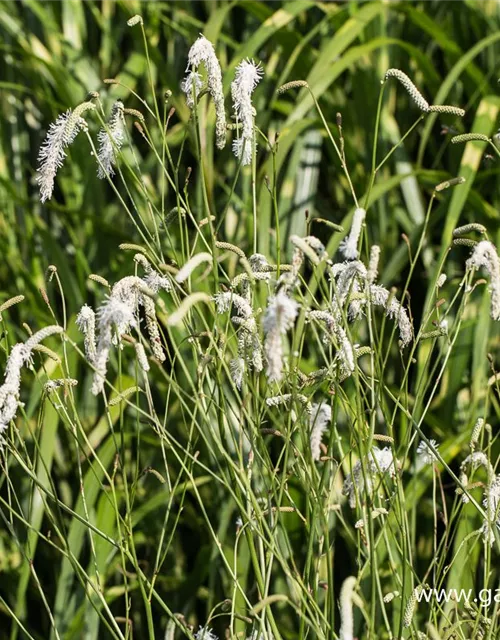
(119,521)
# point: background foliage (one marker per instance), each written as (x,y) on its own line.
(54,54)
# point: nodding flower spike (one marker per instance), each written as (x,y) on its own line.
(137,19)
(346,618)
(485,255)
(191,265)
(203,52)
(412,90)
(20,355)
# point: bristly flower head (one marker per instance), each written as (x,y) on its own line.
(425,453)
(205,633)
(110,139)
(491,503)
(192,85)
(19,356)
(279,316)
(203,51)
(379,461)
(349,246)
(380,296)
(485,255)
(113,314)
(319,419)
(248,75)
(51,156)
(120,312)
(85,321)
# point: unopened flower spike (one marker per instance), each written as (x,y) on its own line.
(412,90)
(248,75)
(346,616)
(137,19)
(110,140)
(203,51)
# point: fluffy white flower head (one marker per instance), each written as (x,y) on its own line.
(485,255)
(110,141)
(279,317)
(19,357)
(425,453)
(204,633)
(203,51)
(349,246)
(248,75)
(280,313)
(319,420)
(51,155)
(192,85)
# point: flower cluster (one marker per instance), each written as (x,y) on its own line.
(361,482)
(249,347)
(117,315)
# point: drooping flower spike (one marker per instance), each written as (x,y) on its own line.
(485,255)
(20,356)
(203,52)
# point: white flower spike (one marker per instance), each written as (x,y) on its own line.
(203,51)
(110,141)
(248,75)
